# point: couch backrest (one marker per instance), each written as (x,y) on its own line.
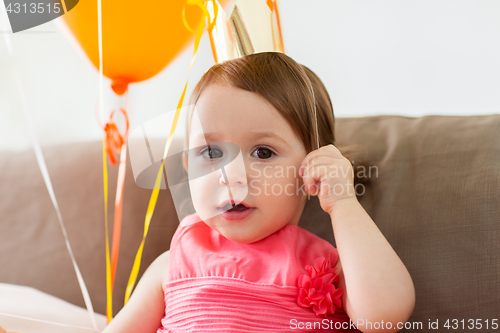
(434,192)
(437,201)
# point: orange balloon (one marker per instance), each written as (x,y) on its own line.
(139,39)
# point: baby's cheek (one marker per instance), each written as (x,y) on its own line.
(203,193)
(201,187)
(274,183)
(285,187)
(288,198)
(293,187)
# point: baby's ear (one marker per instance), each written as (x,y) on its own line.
(185,161)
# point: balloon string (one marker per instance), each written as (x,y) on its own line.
(63,2)
(275,6)
(114,141)
(48,184)
(117,226)
(315,116)
(154,195)
(109,301)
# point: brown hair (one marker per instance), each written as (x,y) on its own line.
(286,85)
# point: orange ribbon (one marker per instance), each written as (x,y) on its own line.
(114,143)
(114,139)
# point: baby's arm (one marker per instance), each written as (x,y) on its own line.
(146,307)
(377,286)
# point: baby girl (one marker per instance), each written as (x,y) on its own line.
(241,263)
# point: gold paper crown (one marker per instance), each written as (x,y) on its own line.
(252,27)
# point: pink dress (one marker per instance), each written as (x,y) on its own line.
(218,285)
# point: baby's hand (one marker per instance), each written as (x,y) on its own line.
(329,175)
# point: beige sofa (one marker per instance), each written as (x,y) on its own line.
(436,198)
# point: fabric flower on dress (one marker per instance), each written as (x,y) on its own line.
(317,289)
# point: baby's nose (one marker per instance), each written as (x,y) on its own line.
(233,174)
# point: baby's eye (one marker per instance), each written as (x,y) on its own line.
(263,153)
(211,152)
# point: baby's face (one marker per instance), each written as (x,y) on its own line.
(254,159)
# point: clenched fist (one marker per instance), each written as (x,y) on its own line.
(329,175)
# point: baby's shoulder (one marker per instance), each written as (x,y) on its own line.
(161,266)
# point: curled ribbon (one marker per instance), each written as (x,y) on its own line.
(114,143)
(114,138)
(205,14)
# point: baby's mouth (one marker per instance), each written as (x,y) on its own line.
(231,206)
(234,212)
(234,208)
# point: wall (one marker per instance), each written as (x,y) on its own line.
(410,58)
